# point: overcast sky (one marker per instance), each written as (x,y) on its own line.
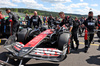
(67,6)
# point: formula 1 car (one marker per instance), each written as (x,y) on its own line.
(48,45)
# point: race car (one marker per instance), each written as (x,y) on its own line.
(48,45)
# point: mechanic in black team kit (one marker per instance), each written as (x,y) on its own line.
(67,21)
(98,21)
(82,20)
(50,21)
(81,29)
(76,24)
(35,20)
(90,23)
(27,20)
(14,19)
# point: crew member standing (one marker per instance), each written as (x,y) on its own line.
(14,19)
(44,19)
(90,23)
(76,24)
(81,29)
(35,20)
(98,21)
(27,19)
(50,21)
(66,22)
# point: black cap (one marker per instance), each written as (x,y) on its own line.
(90,12)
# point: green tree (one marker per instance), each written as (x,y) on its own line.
(16,10)
(26,11)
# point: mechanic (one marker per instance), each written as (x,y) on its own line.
(27,19)
(90,24)
(14,19)
(35,20)
(98,21)
(81,29)
(44,19)
(66,21)
(50,21)
(57,21)
(76,24)
(56,18)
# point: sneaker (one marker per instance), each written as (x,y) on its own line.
(85,51)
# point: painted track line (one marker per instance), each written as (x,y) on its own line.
(91,44)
